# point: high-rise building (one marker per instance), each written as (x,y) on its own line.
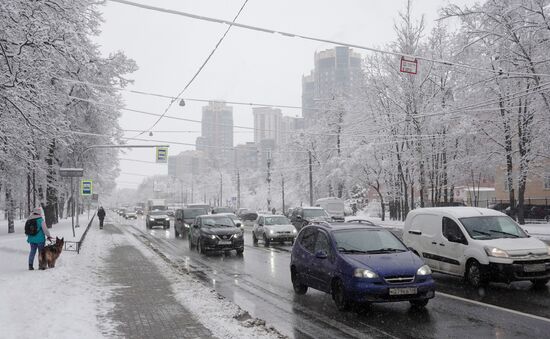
(267,124)
(247,156)
(337,73)
(187,164)
(216,139)
(289,127)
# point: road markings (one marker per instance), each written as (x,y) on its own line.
(479,303)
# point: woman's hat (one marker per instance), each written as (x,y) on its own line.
(37,211)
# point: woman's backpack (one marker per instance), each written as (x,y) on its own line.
(31,227)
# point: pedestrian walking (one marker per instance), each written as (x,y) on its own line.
(37,232)
(354,208)
(101,216)
(273,210)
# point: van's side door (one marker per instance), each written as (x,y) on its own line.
(452,247)
(426,232)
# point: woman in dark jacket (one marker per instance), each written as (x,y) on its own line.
(38,240)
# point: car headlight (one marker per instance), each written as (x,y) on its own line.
(271,232)
(424,270)
(186,225)
(168,219)
(151,219)
(496,252)
(294,231)
(237,235)
(212,237)
(364,273)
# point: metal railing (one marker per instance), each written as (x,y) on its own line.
(75,246)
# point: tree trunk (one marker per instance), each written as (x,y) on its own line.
(10,210)
(50,210)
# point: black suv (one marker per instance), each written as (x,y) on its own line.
(301,216)
(184,219)
(216,232)
(157,218)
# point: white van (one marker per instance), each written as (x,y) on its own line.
(477,243)
(334,206)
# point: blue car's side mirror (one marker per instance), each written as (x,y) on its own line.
(321,255)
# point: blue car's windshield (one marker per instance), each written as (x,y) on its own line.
(367,241)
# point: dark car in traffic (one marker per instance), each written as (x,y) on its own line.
(157,218)
(216,233)
(217,210)
(358,264)
(184,218)
(302,216)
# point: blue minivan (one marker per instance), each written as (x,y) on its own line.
(358,264)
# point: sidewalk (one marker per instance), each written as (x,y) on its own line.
(61,301)
(116,287)
(144,305)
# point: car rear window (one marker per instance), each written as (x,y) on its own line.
(189,213)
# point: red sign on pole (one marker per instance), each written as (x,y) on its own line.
(408,65)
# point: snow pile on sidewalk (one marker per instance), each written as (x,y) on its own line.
(222,317)
(62,302)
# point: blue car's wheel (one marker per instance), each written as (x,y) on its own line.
(339,296)
(299,288)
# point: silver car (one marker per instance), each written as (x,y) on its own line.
(273,227)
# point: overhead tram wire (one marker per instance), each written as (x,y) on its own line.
(323,40)
(457,110)
(323,134)
(258,104)
(198,70)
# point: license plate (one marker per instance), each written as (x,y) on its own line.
(403,291)
(224,242)
(534,268)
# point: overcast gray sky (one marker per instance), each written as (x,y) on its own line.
(249,66)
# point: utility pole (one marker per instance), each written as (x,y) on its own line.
(192,190)
(268,179)
(283,191)
(310,181)
(238,190)
(221,190)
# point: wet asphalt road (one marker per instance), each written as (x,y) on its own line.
(259,282)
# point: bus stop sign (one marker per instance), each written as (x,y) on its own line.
(86,187)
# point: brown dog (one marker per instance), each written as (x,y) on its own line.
(50,254)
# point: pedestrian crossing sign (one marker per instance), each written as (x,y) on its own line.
(162,154)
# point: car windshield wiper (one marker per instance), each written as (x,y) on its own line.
(481,232)
(348,250)
(389,249)
(505,233)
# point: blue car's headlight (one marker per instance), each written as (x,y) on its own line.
(424,270)
(364,273)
